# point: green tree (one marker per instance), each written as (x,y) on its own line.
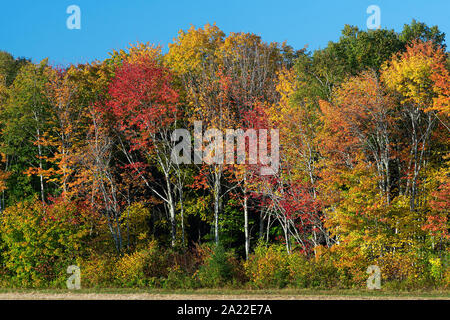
(23,123)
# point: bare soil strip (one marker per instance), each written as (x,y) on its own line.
(149,296)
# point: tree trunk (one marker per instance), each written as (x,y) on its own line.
(261,224)
(216,208)
(247,235)
(41,178)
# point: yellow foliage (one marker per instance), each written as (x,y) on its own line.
(189,49)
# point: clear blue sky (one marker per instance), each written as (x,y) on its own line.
(37,29)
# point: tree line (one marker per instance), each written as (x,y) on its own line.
(87,176)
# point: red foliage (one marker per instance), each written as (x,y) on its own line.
(142,100)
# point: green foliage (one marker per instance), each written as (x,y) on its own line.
(40,242)
(24,120)
(420,31)
(231,227)
(179,279)
(217,270)
(358,50)
(9,67)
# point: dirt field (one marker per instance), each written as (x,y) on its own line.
(148,296)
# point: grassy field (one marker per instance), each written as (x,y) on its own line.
(215,294)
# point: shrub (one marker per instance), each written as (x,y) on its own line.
(41,241)
(268,267)
(325,275)
(436,269)
(144,267)
(217,269)
(312,273)
(300,270)
(349,262)
(398,266)
(179,279)
(446,279)
(98,270)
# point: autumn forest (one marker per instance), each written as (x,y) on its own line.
(87,177)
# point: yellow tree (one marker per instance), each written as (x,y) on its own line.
(411,75)
(193,58)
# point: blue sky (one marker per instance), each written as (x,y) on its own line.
(37,29)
